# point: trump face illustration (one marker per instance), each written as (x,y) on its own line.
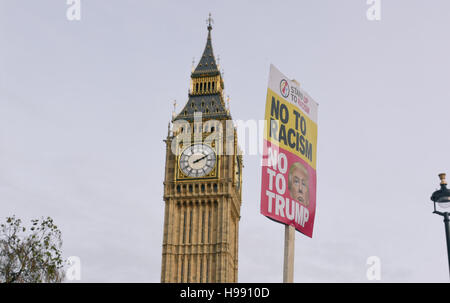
(298,183)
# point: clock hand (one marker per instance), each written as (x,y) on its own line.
(200,159)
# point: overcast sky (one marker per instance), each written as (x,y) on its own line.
(84,108)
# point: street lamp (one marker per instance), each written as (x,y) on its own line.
(441,199)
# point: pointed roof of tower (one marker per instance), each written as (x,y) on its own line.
(207,65)
(210,103)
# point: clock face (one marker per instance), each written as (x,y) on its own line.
(197,160)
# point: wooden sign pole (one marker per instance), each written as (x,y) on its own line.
(289,245)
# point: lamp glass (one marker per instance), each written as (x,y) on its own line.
(444,202)
(444,205)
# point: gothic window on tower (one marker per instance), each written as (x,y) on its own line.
(207,268)
(182,269)
(203,226)
(209,226)
(190,227)
(184,227)
(201,270)
(189,271)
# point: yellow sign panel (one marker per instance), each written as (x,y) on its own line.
(289,128)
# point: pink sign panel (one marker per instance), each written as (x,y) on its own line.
(288,186)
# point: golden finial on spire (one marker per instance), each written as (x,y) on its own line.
(210,21)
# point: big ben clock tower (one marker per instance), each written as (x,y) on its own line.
(202,184)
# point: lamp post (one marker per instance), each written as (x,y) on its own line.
(441,199)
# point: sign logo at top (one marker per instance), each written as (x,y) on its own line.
(284,88)
(296,94)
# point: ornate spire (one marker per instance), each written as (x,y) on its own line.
(193,65)
(174,109)
(206,87)
(207,64)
